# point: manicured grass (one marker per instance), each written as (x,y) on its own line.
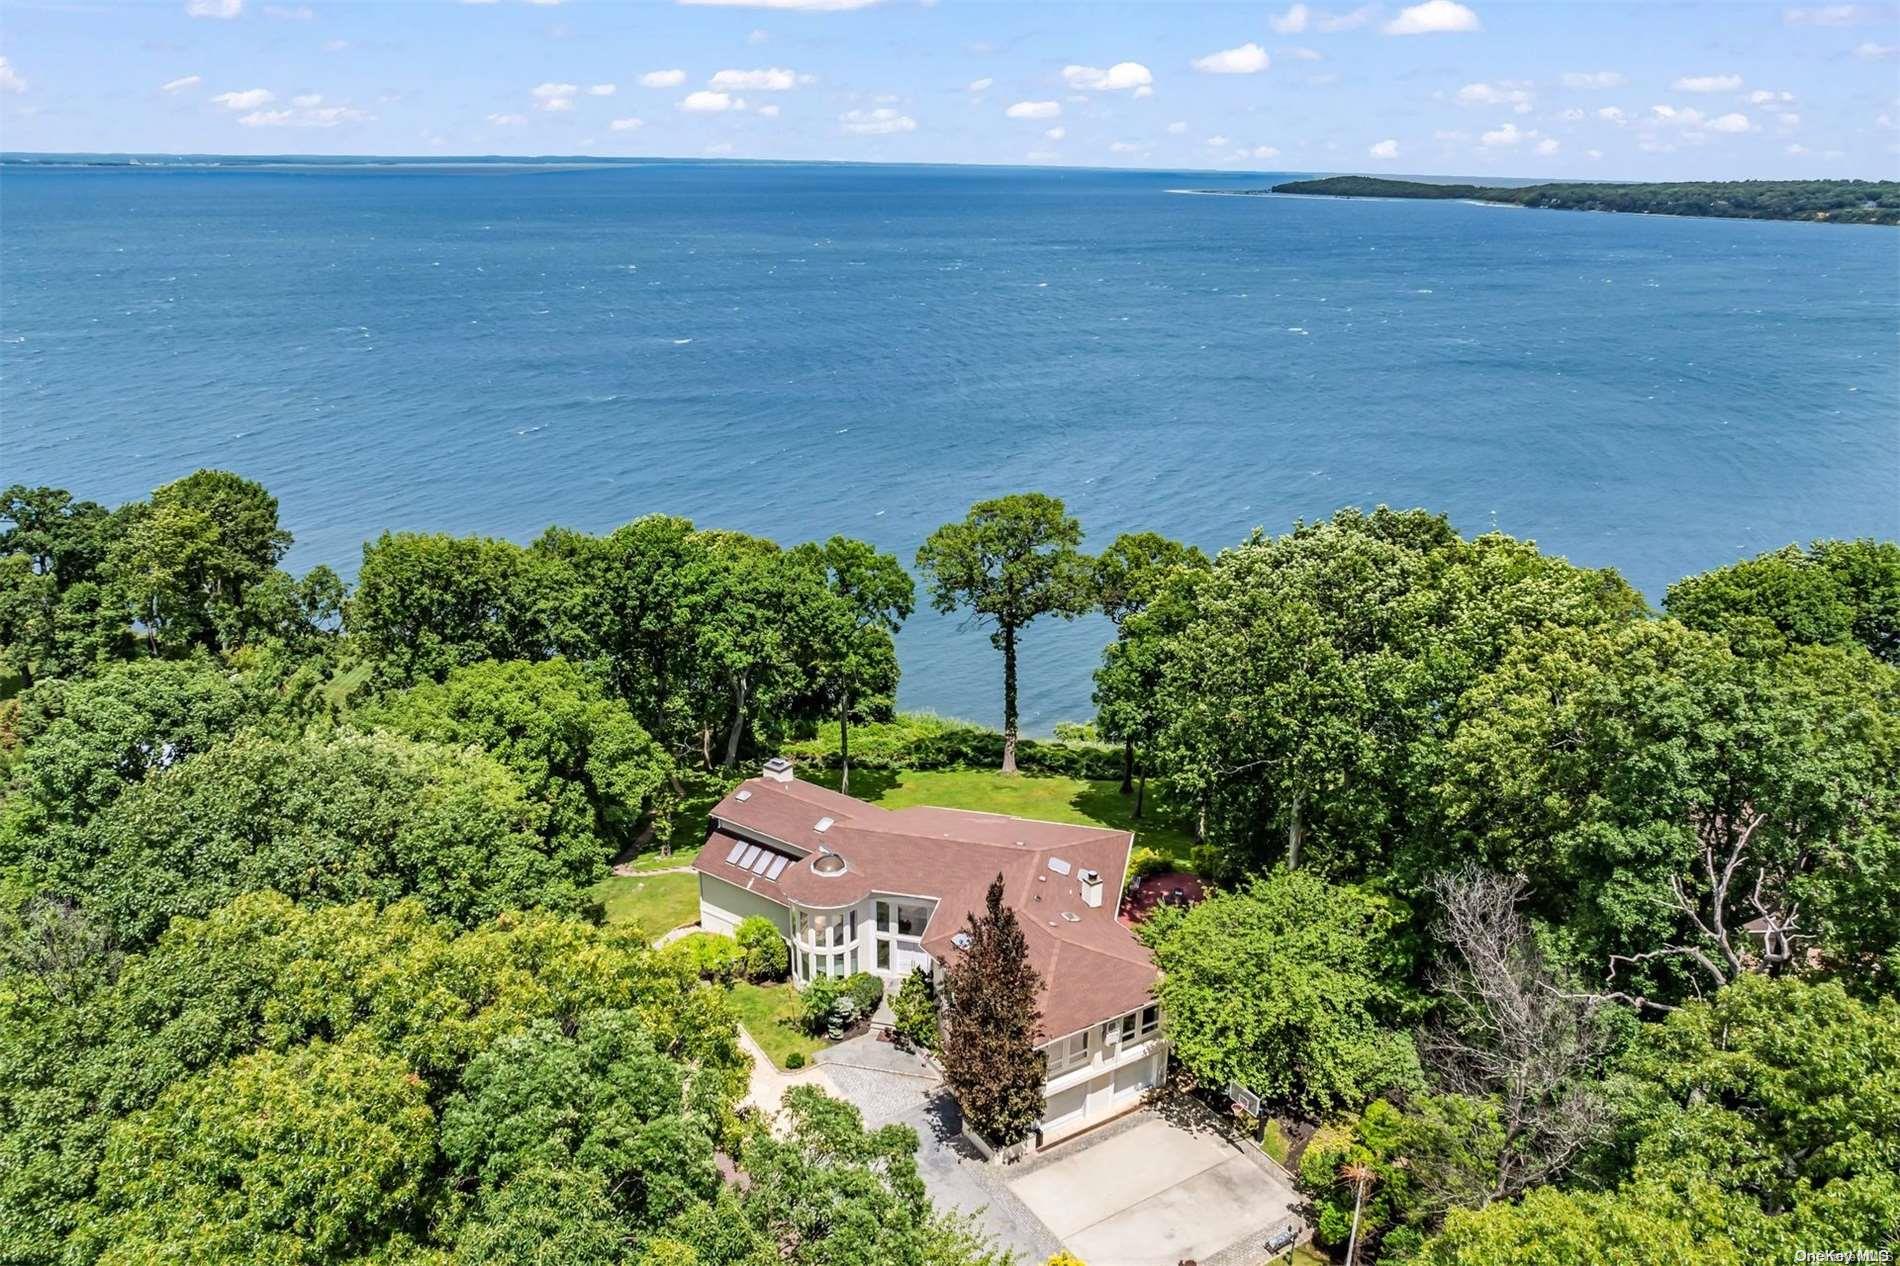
(770,1015)
(1051,797)
(1276,1143)
(656,903)
(1307,1255)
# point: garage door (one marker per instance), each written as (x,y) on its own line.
(1065,1107)
(1132,1079)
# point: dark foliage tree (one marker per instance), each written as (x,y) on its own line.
(1010,560)
(991,1024)
(1833,593)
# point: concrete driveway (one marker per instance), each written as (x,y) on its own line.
(1154,1190)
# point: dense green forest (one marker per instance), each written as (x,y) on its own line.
(1836,201)
(1568,928)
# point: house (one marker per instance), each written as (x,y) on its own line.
(856,887)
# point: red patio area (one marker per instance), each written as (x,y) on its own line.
(1146,894)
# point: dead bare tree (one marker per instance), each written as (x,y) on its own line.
(1506,1031)
(57,943)
(1730,857)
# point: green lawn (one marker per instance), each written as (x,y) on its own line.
(770,1015)
(657,903)
(1048,796)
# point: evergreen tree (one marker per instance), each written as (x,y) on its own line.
(990,1027)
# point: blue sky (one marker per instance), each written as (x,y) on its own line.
(1586,90)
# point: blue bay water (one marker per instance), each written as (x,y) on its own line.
(800,350)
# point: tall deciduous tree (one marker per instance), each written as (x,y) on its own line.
(1286,987)
(1309,697)
(1129,576)
(991,1024)
(427,603)
(853,657)
(1010,560)
(1832,593)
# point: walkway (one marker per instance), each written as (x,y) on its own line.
(770,1082)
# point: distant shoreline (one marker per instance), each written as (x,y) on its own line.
(1813,201)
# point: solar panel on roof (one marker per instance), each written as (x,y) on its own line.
(779,863)
(738,847)
(763,860)
(745,858)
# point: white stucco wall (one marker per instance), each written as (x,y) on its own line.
(722,905)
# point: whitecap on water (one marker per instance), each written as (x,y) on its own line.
(1296,329)
(681,342)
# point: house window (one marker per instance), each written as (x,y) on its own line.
(883,916)
(1070,1052)
(837,964)
(854,923)
(805,961)
(883,955)
(1139,1024)
(854,960)
(911,920)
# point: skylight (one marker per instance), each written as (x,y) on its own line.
(744,793)
(738,847)
(1059,865)
(824,824)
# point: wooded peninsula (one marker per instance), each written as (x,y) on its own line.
(1834,201)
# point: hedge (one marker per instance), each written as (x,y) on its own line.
(923,740)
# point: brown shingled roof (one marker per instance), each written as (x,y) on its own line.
(1092,967)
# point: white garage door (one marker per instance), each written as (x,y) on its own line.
(1065,1107)
(1134,1078)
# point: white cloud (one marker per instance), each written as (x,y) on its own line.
(1872,52)
(814,6)
(1686,116)
(603,90)
(1789,120)
(1708,83)
(1383,149)
(768,112)
(10,80)
(1796,150)
(507,120)
(1056,133)
(176,85)
(1176,128)
(1731,123)
(1218,142)
(337,46)
(249,99)
(214,8)
(1434,17)
(1505,136)
(1572,115)
(882,121)
(1593,79)
(1306,54)
(757,36)
(1613,114)
(1511,92)
(1827,15)
(770,79)
(1593,153)
(309,113)
(1248,59)
(1117,78)
(627,125)
(981,85)
(1125,147)
(1034,110)
(1265,151)
(703,102)
(1347,21)
(1293,21)
(663,79)
(555,98)
(1547,146)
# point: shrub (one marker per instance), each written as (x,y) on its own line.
(864,991)
(1065,1258)
(915,1010)
(795,1060)
(1145,861)
(817,1001)
(767,957)
(709,956)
